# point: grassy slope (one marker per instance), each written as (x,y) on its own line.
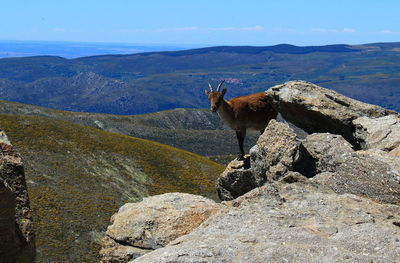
(195,130)
(78,177)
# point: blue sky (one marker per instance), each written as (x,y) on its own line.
(202,22)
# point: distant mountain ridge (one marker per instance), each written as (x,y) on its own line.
(281,48)
(155,81)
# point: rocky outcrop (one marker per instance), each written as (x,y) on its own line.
(316,109)
(379,133)
(330,159)
(352,125)
(139,228)
(329,196)
(291,223)
(16,227)
(238,179)
(347,171)
(278,151)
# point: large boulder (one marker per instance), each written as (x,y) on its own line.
(277,152)
(280,154)
(347,171)
(291,223)
(238,179)
(316,109)
(16,227)
(139,228)
(381,133)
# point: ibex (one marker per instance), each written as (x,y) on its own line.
(241,113)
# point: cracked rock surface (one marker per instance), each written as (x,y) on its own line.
(300,222)
(347,171)
(316,109)
(139,228)
(277,152)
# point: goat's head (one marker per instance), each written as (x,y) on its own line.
(215,97)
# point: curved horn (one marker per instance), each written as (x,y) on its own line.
(209,85)
(220,85)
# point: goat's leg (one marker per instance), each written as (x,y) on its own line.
(240,135)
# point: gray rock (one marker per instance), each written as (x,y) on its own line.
(139,228)
(347,171)
(316,109)
(389,157)
(291,223)
(277,152)
(378,133)
(17,242)
(238,179)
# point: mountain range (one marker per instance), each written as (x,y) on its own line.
(155,81)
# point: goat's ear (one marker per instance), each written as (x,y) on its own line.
(224,91)
(206,92)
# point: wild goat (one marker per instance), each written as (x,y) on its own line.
(241,113)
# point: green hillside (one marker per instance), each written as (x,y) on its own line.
(196,130)
(79,176)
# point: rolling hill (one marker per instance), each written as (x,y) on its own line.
(78,176)
(155,81)
(196,130)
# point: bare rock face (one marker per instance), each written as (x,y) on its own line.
(16,227)
(139,228)
(379,133)
(330,196)
(238,179)
(291,223)
(277,152)
(347,171)
(316,109)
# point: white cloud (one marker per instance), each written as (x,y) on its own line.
(349,30)
(256,28)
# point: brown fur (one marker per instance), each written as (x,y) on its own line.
(252,111)
(241,113)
